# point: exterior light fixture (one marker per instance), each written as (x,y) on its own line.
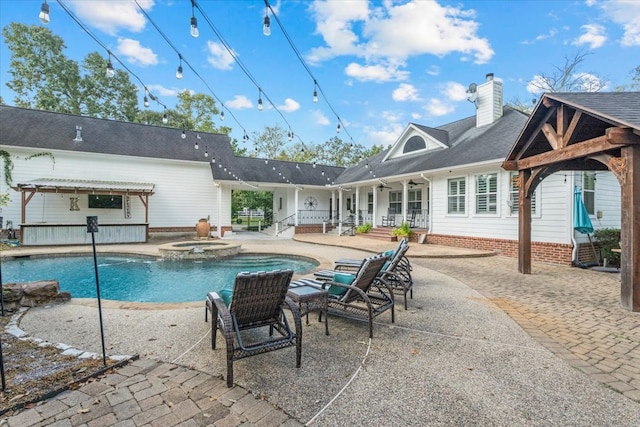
(110,73)
(194,22)
(146,101)
(179,72)
(184,135)
(338,128)
(315,92)
(44,13)
(165,118)
(266,28)
(260,106)
(206,151)
(290,135)
(222,115)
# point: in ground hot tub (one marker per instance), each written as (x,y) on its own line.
(198,250)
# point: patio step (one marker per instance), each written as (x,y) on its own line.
(383,233)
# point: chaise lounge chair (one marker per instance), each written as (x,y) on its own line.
(396,275)
(352,264)
(362,296)
(257,301)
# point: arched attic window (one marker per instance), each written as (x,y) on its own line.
(414,143)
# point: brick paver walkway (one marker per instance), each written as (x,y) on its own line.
(151,393)
(574,313)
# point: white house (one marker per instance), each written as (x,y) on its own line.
(447,181)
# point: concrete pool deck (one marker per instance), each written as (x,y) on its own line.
(479,345)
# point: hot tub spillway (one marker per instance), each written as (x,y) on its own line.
(195,250)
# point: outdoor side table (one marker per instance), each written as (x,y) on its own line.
(310,299)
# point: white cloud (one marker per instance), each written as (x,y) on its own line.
(385,136)
(405,92)
(552,33)
(436,107)
(594,36)
(416,116)
(590,82)
(434,70)
(164,91)
(136,53)
(376,73)
(391,117)
(239,102)
(111,15)
(627,14)
(394,32)
(219,56)
(584,82)
(320,118)
(454,91)
(289,106)
(538,85)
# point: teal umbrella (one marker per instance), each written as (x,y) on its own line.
(581,220)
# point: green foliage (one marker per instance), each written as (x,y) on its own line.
(241,199)
(608,238)
(364,228)
(403,231)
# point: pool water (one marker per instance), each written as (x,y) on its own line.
(124,278)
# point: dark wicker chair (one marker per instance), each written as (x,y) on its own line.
(368,296)
(258,301)
(396,273)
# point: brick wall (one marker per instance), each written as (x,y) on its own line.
(152,230)
(311,228)
(557,253)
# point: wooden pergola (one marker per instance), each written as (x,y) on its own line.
(584,132)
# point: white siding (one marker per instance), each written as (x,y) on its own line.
(184,191)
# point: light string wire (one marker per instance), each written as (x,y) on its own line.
(244,69)
(307,68)
(111,54)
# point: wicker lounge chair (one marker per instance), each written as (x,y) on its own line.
(395,274)
(352,264)
(368,295)
(258,301)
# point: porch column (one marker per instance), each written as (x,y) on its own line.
(630,229)
(357,207)
(219,221)
(524,223)
(295,203)
(333,205)
(374,220)
(405,200)
(340,213)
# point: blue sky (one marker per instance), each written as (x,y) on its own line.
(379,64)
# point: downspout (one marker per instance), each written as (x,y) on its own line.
(574,251)
(430,202)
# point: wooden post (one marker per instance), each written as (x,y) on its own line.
(630,229)
(524,223)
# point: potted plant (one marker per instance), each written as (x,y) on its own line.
(403,231)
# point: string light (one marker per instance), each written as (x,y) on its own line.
(44,13)
(260,106)
(184,135)
(338,128)
(146,99)
(110,71)
(206,151)
(165,118)
(315,91)
(266,27)
(222,114)
(194,22)
(179,72)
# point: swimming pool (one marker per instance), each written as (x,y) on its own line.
(138,279)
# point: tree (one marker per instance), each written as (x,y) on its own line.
(271,143)
(44,78)
(634,86)
(565,78)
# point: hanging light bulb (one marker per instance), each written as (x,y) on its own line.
(222,115)
(206,151)
(196,146)
(184,135)
(44,13)
(266,28)
(315,92)
(194,23)
(179,72)
(165,118)
(213,160)
(338,128)
(146,101)
(110,71)
(260,106)
(290,135)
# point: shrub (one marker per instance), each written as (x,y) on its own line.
(403,231)
(608,238)
(364,228)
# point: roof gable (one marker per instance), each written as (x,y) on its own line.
(417,139)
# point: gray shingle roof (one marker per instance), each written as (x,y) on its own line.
(467,145)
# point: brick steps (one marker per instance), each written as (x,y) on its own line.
(381,234)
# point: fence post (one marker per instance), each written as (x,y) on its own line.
(324,227)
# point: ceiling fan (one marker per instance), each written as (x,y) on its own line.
(412,183)
(382,186)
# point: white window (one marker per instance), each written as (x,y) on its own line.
(514,195)
(415,200)
(395,202)
(456,191)
(589,191)
(487,193)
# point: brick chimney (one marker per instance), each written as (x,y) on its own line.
(489,101)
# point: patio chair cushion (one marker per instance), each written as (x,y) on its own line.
(389,253)
(343,278)
(226,295)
